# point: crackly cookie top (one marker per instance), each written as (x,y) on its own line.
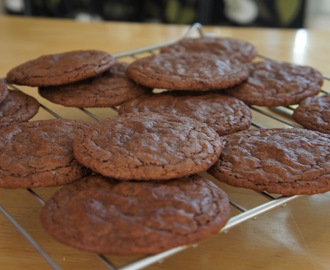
(105,216)
(314,113)
(111,88)
(17,107)
(285,161)
(232,48)
(272,83)
(146,146)
(189,71)
(225,114)
(39,153)
(61,68)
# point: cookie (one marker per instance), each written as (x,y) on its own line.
(288,161)
(148,146)
(314,113)
(61,68)
(39,154)
(105,216)
(193,71)
(109,89)
(3,91)
(277,84)
(231,48)
(17,107)
(225,114)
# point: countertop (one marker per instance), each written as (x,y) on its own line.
(294,236)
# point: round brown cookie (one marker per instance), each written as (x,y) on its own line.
(225,114)
(61,68)
(148,146)
(105,216)
(277,84)
(17,107)
(223,46)
(284,161)
(193,71)
(39,154)
(3,91)
(111,88)
(314,113)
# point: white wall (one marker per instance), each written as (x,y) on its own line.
(318,14)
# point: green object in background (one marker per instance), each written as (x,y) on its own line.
(188,15)
(287,10)
(177,12)
(172,9)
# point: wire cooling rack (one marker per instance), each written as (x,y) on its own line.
(262,117)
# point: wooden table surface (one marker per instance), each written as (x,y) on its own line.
(296,236)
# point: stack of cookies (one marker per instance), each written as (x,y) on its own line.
(144,195)
(287,162)
(87,78)
(135,186)
(39,153)
(132,181)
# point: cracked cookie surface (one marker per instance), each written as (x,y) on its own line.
(193,71)
(285,161)
(105,216)
(17,107)
(314,113)
(39,154)
(272,83)
(147,146)
(225,114)
(221,46)
(111,88)
(61,68)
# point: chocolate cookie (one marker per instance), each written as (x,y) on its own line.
(193,71)
(39,154)
(3,91)
(111,88)
(105,216)
(17,107)
(285,161)
(278,84)
(225,114)
(61,68)
(314,113)
(222,46)
(148,146)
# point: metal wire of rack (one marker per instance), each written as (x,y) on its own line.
(278,114)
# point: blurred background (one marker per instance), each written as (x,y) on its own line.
(259,13)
